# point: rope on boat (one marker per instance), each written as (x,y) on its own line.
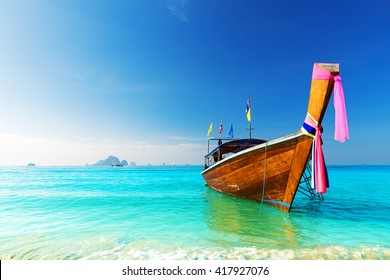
(304,186)
(262,197)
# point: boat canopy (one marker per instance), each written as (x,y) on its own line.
(224,150)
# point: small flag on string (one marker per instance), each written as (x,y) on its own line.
(210,129)
(248,110)
(220,128)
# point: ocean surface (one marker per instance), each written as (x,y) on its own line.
(167,213)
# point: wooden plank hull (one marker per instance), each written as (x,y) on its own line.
(273,169)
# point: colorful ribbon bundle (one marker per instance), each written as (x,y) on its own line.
(320,179)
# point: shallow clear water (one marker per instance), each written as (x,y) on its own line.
(168,213)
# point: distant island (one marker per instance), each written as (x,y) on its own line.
(113,161)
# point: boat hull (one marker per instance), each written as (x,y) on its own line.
(268,172)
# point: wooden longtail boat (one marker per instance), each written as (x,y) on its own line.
(269,171)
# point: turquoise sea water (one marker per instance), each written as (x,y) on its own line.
(168,213)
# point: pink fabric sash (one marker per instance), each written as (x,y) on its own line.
(341,122)
(319,174)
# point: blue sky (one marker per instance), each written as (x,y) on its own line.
(143,79)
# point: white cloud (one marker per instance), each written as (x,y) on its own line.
(179,14)
(21,150)
(178,9)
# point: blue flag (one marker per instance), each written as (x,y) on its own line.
(231,134)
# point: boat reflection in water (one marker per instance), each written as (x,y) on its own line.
(247,223)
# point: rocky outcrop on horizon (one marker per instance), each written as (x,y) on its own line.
(112,160)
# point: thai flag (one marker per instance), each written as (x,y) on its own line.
(220,128)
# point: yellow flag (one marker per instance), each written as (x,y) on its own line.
(248,115)
(248,110)
(210,129)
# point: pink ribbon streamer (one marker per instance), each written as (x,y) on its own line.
(341,122)
(319,166)
(320,177)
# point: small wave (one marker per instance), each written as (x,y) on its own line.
(249,253)
(104,249)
